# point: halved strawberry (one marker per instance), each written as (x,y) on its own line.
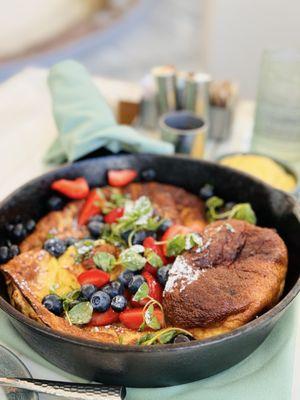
(73,188)
(173,231)
(119,178)
(134,317)
(94,276)
(91,207)
(149,243)
(106,318)
(114,215)
(155,290)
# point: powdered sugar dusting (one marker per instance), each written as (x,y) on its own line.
(181,275)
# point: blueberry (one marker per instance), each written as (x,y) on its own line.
(140,236)
(88,290)
(55,203)
(113,289)
(228,206)
(119,303)
(70,241)
(96,228)
(148,174)
(100,301)
(125,277)
(162,274)
(9,228)
(53,304)
(4,254)
(135,283)
(56,247)
(14,250)
(98,218)
(206,192)
(5,242)
(30,225)
(181,338)
(125,235)
(18,233)
(164,226)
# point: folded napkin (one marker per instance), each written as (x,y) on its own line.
(267,374)
(85,122)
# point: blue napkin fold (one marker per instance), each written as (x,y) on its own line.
(85,122)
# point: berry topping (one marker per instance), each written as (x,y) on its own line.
(53,304)
(88,290)
(55,203)
(95,228)
(162,274)
(113,289)
(56,247)
(100,301)
(135,282)
(119,303)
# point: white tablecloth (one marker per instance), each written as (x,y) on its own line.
(27,128)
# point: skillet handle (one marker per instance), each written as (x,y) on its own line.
(79,391)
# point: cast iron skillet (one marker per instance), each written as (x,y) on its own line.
(168,364)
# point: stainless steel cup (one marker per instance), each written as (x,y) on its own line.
(185,130)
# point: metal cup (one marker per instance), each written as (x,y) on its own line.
(185,130)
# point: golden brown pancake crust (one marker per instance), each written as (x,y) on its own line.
(239,274)
(172,202)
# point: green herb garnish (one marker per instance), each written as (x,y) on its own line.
(80,314)
(162,337)
(241,211)
(131,259)
(142,293)
(105,261)
(153,258)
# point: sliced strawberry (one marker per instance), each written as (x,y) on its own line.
(173,231)
(74,189)
(155,290)
(91,207)
(119,178)
(148,268)
(149,243)
(133,318)
(93,276)
(114,215)
(106,318)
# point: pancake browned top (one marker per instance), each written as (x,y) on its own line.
(170,201)
(239,273)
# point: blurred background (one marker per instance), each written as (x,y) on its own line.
(125,38)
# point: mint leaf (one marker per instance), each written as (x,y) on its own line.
(192,240)
(244,212)
(142,292)
(150,318)
(214,202)
(145,338)
(104,260)
(153,258)
(176,245)
(81,313)
(132,260)
(138,248)
(167,336)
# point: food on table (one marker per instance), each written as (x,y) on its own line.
(262,167)
(142,263)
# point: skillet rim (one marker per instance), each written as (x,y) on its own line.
(249,326)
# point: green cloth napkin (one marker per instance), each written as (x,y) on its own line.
(265,375)
(85,122)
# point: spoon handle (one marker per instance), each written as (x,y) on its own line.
(78,391)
